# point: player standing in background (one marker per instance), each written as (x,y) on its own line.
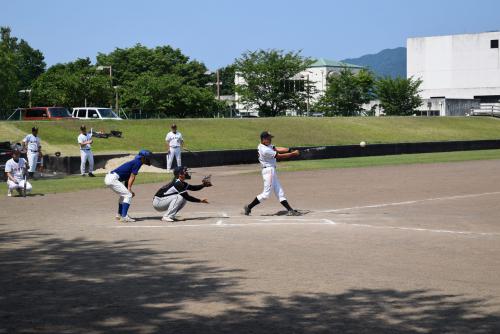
(15,169)
(268,154)
(174,145)
(31,144)
(172,197)
(84,140)
(121,179)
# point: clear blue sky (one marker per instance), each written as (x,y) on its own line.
(218,31)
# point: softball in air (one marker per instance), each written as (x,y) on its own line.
(362,144)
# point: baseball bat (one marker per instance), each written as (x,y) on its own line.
(311,149)
(189,151)
(25,181)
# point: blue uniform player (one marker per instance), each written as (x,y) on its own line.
(121,179)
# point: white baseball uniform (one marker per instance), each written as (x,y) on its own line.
(85,153)
(267,158)
(33,146)
(174,141)
(16,169)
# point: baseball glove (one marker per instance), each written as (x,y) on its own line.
(207,181)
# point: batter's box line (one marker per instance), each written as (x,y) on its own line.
(222,223)
(372,206)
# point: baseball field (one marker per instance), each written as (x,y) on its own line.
(386,249)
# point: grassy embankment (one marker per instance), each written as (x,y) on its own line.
(217,134)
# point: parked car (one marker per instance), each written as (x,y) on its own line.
(45,113)
(94,113)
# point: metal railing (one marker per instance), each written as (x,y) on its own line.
(487,109)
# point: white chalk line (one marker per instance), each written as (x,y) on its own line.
(408,202)
(302,222)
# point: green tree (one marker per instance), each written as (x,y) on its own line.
(399,96)
(168,95)
(130,63)
(72,84)
(346,93)
(265,74)
(20,64)
(161,80)
(9,81)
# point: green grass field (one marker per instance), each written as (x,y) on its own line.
(216,134)
(75,183)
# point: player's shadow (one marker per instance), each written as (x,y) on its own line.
(28,195)
(285,213)
(180,219)
(56,285)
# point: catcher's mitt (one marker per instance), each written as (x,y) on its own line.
(207,182)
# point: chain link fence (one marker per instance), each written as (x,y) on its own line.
(10,114)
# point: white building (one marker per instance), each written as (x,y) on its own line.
(315,75)
(457,67)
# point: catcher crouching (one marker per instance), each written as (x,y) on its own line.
(172,197)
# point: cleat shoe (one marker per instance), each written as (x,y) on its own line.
(82,175)
(127,219)
(246,210)
(118,217)
(168,219)
(91,175)
(9,193)
(293,213)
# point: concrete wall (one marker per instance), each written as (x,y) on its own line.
(456,66)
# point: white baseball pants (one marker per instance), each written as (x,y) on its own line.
(19,185)
(86,155)
(174,151)
(170,204)
(32,160)
(271,183)
(111,180)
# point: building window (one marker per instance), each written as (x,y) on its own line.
(494,43)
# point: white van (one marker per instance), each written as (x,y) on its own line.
(94,113)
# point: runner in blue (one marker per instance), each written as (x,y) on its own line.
(121,179)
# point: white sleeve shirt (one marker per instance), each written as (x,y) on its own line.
(15,168)
(174,139)
(267,155)
(33,142)
(82,138)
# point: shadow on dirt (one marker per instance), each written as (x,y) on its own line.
(53,285)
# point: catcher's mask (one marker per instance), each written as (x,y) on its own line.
(182,170)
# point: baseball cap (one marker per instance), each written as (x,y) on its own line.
(147,156)
(35,128)
(266,134)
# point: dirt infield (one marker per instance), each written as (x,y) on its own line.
(405,249)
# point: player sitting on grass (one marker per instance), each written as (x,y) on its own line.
(172,197)
(15,169)
(126,173)
(268,154)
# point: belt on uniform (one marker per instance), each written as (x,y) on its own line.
(33,151)
(268,166)
(85,149)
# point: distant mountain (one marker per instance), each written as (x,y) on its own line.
(388,62)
